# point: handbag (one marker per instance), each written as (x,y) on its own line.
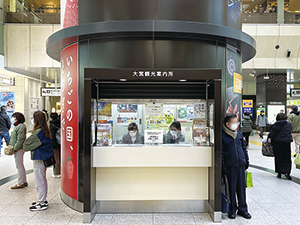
(251,133)
(267,149)
(297,161)
(9,150)
(50,161)
(248,178)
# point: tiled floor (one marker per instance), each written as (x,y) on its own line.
(272,201)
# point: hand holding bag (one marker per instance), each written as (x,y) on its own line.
(267,149)
(249,181)
(9,150)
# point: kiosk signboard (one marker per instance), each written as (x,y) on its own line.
(69,121)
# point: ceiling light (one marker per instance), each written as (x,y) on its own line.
(123,80)
(182,80)
(266,77)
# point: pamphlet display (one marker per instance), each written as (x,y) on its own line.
(201,136)
(153,136)
(104,134)
(200,110)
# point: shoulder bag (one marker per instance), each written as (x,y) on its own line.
(50,161)
(9,150)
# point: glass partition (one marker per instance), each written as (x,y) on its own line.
(152,122)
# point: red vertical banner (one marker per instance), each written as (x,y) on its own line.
(69,121)
(70,13)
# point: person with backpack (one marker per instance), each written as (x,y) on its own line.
(16,140)
(246,127)
(40,145)
(5,125)
(54,129)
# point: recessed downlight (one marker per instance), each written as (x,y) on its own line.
(123,80)
(182,80)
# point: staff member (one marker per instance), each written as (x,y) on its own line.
(235,161)
(133,136)
(174,135)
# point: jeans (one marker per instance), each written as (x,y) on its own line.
(41,184)
(4,135)
(262,130)
(19,156)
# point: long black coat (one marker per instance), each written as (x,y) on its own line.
(281,131)
(54,127)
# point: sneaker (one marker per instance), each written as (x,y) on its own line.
(45,203)
(38,207)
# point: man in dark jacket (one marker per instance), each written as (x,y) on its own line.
(246,127)
(54,127)
(5,125)
(235,161)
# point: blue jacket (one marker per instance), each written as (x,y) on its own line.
(281,131)
(234,152)
(39,145)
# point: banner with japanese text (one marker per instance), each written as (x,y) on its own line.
(69,13)
(69,121)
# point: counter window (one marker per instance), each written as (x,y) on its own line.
(148,123)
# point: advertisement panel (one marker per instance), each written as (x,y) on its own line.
(69,121)
(8,99)
(69,13)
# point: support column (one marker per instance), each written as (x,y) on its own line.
(280,11)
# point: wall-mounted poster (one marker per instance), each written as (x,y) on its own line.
(185,113)
(154,109)
(200,110)
(104,109)
(8,99)
(127,113)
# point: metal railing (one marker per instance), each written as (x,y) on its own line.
(289,18)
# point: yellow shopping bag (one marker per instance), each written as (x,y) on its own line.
(249,181)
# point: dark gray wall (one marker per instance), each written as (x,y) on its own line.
(206,11)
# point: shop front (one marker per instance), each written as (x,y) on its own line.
(126,76)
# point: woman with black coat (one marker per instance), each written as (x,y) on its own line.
(281,138)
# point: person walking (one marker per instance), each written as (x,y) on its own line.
(5,125)
(246,127)
(54,127)
(17,139)
(294,119)
(281,138)
(235,162)
(262,122)
(40,145)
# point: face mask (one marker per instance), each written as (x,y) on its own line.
(174,133)
(13,120)
(32,122)
(262,114)
(234,126)
(132,133)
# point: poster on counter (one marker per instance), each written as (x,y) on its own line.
(200,110)
(154,109)
(127,113)
(169,113)
(153,136)
(8,99)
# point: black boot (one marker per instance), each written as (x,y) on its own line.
(279,175)
(288,176)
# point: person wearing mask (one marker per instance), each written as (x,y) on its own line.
(17,139)
(46,113)
(5,125)
(281,138)
(174,135)
(133,136)
(294,119)
(40,145)
(262,122)
(235,161)
(246,127)
(54,127)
